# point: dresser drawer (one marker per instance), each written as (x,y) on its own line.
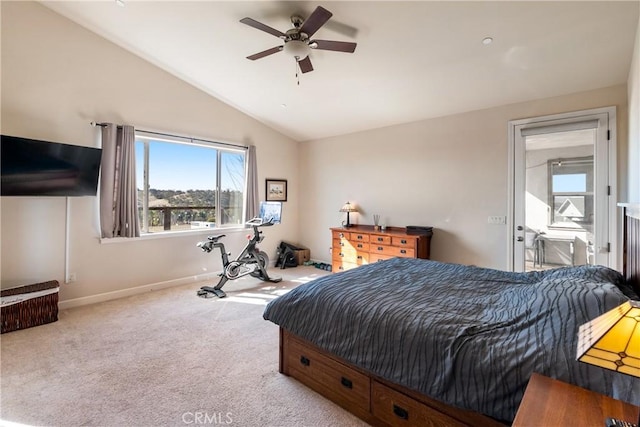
(398,409)
(382,249)
(377,239)
(373,257)
(347,244)
(338,266)
(337,235)
(403,242)
(404,252)
(359,237)
(340,383)
(359,246)
(350,255)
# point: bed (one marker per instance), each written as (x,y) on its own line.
(419,342)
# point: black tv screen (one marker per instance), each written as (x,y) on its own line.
(30,167)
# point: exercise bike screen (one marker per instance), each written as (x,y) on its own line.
(270,210)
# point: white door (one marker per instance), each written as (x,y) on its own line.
(563,170)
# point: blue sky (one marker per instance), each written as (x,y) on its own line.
(188,167)
(570,183)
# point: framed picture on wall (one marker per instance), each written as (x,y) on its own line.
(276,190)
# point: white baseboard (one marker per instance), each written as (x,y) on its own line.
(108,296)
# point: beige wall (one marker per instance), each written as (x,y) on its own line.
(634,124)
(450,173)
(56,78)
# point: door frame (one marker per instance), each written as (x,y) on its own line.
(612,176)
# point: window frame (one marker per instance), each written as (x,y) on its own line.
(574,162)
(147,137)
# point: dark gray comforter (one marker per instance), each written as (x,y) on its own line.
(467,336)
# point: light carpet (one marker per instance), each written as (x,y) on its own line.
(163,358)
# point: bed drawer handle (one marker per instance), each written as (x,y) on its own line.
(346,382)
(401,412)
(305,361)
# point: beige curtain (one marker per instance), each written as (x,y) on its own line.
(253,199)
(118,194)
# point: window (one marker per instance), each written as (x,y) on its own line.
(185,185)
(571,192)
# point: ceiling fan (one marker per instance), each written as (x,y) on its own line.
(297,41)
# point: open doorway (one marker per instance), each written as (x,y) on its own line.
(563,172)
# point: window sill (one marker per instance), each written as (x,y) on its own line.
(173,234)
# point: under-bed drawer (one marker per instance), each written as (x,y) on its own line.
(332,379)
(398,409)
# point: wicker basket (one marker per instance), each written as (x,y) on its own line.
(31,310)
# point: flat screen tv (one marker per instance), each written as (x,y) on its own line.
(30,167)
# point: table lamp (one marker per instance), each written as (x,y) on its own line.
(348,207)
(612,340)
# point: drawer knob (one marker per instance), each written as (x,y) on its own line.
(360,245)
(404,242)
(346,382)
(401,412)
(341,254)
(359,256)
(380,248)
(403,251)
(380,239)
(341,234)
(359,237)
(305,361)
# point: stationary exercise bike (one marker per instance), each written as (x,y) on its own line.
(251,260)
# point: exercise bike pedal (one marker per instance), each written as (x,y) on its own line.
(209,292)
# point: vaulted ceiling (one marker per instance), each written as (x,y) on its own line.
(414,60)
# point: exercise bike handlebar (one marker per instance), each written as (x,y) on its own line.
(259,222)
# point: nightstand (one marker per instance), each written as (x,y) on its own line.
(549,402)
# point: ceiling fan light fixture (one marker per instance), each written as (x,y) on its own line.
(297,49)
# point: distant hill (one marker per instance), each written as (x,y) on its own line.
(200,198)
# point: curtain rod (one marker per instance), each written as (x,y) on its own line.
(94,124)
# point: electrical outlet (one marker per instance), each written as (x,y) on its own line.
(72,278)
(497,220)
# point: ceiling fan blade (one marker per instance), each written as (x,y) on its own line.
(305,65)
(265,53)
(260,26)
(333,45)
(315,21)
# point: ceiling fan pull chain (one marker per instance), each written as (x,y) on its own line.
(297,68)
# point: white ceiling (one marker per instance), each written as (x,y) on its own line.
(414,60)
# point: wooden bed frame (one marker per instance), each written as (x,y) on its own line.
(382,403)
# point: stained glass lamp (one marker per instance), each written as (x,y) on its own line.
(612,341)
(348,207)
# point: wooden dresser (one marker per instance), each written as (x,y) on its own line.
(363,244)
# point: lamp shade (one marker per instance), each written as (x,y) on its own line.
(348,207)
(612,341)
(296,48)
